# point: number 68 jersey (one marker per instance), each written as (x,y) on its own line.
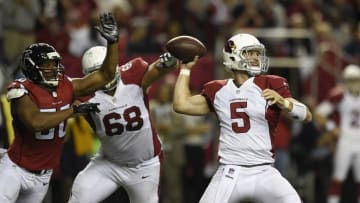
(247,120)
(123,124)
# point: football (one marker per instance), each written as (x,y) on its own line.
(185,48)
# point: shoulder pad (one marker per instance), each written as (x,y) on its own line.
(16,89)
(278,82)
(16,93)
(210,88)
(271,81)
(139,60)
(215,84)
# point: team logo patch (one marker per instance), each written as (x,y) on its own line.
(229,46)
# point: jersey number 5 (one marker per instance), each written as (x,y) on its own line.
(236,114)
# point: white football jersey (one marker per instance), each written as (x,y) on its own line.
(247,120)
(346,109)
(123,125)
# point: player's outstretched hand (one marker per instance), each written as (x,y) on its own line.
(85,108)
(189,65)
(108,28)
(166,60)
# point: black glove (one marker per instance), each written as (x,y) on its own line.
(108,28)
(85,108)
(166,61)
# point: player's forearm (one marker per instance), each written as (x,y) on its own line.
(154,73)
(181,91)
(109,30)
(110,62)
(41,121)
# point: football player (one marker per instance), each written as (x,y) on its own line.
(40,104)
(248,107)
(131,150)
(339,114)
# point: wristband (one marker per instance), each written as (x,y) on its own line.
(298,111)
(185,72)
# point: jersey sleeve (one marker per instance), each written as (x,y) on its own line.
(133,71)
(209,91)
(274,82)
(16,90)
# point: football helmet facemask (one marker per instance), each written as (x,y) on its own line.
(236,54)
(93,59)
(36,64)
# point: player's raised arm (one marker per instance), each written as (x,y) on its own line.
(165,64)
(97,79)
(183,101)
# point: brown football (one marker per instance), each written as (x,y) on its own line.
(185,48)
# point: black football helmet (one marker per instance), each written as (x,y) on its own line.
(34,56)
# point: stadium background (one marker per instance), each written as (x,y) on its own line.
(309,42)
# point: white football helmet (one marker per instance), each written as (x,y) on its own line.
(235,54)
(351,77)
(351,71)
(92,60)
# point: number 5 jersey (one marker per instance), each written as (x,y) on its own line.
(247,120)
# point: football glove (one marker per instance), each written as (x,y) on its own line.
(108,28)
(166,61)
(85,108)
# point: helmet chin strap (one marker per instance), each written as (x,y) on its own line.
(250,69)
(50,83)
(254,70)
(112,85)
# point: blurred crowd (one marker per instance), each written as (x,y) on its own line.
(309,42)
